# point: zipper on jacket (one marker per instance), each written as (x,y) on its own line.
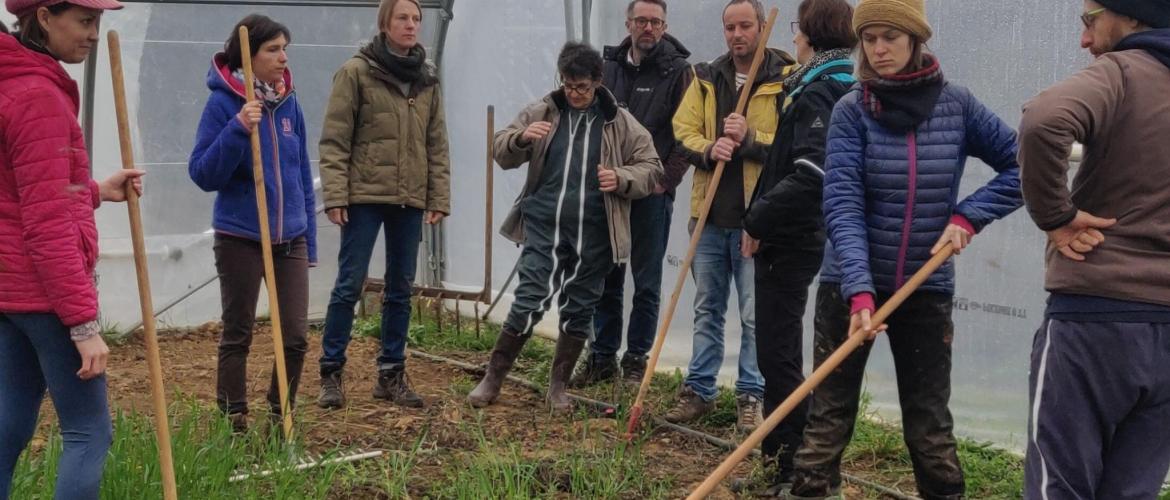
(279,181)
(912,147)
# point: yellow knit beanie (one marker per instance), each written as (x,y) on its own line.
(906,15)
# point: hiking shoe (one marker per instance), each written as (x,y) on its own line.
(239,422)
(332,395)
(689,407)
(393,386)
(595,370)
(812,487)
(748,412)
(633,368)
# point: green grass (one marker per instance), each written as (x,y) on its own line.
(206,454)
(990,472)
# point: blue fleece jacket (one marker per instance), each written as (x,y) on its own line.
(222,162)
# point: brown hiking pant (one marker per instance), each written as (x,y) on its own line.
(241,272)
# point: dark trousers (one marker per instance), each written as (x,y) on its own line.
(241,271)
(783,276)
(36,354)
(575,269)
(1099,426)
(649,229)
(403,231)
(920,335)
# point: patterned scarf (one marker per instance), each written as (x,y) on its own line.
(819,59)
(269,94)
(902,102)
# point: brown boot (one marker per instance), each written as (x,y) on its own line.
(689,407)
(568,350)
(507,348)
(393,385)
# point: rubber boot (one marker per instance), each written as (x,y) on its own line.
(568,350)
(507,348)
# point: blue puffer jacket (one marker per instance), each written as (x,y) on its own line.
(222,162)
(888,197)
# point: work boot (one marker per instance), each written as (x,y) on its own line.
(689,407)
(595,370)
(568,349)
(748,412)
(393,386)
(508,346)
(239,422)
(633,368)
(810,487)
(332,394)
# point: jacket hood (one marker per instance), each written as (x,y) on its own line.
(667,51)
(16,60)
(609,106)
(219,77)
(1156,42)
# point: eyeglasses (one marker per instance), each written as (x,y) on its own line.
(1091,15)
(581,89)
(654,22)
(795,27)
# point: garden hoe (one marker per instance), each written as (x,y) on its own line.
(150,335)
(856,338)
(712,186)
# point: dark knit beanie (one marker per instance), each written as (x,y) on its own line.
(1152,13)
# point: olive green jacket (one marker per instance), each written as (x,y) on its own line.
(380,146)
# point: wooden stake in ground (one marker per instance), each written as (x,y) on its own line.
(856,338)
(660,339)
(150,335)
(266,241)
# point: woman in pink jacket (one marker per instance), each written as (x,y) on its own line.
(49,335)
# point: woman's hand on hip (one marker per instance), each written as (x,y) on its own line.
(94,355)
(339,215)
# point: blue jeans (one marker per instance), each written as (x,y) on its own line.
(649,229)
(403,232)
(717,261)
(35,354)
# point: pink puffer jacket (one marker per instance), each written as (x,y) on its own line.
(48,238)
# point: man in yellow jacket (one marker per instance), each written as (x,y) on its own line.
(711,132)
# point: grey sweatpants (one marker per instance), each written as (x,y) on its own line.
(1099,426)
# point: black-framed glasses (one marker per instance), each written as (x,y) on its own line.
(581,89)
(654,22)
(1088,17)
(794,26)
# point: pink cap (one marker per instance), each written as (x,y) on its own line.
(21,7)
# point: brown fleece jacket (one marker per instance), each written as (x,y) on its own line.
(1119,108)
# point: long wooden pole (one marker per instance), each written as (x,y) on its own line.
(660,339)
(856,338)
(266,241)
(137,235)
(486,298)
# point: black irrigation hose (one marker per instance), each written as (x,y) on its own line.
(606,407)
